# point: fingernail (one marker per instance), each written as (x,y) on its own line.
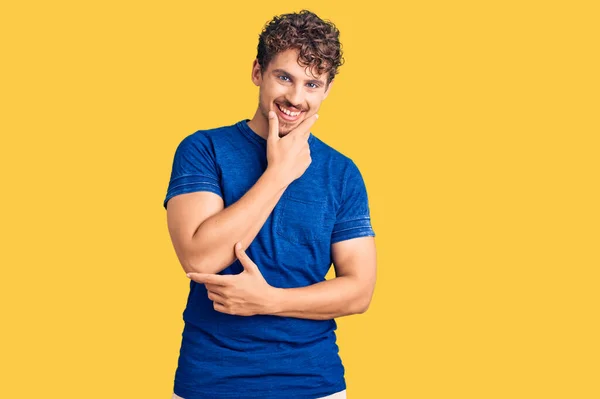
(317,116)
(187,275)
(238,245)
(271,114)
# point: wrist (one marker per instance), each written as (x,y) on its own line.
(274,176)
(274,299)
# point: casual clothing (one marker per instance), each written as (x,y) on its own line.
(337,395)
(264,356)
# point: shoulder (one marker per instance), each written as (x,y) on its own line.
(331,154)
(211,133)
(207,138)
(339,164)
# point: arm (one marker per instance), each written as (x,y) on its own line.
(354,258)
(350,292)
(248,294)
(203,232)
(207,247)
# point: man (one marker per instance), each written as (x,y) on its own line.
(257,212)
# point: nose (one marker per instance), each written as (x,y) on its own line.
(295,96)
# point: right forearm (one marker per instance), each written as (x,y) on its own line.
(212,246)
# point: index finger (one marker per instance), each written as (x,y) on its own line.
(303,129)
(273,126)
(204,278)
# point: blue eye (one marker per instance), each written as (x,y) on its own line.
(286,78)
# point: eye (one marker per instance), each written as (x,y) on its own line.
(283,77)
(314,86)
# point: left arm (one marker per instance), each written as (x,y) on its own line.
(350,292)
(248,293)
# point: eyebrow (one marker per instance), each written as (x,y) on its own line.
(315,81)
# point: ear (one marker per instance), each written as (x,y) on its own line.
(327,90)
(256,73)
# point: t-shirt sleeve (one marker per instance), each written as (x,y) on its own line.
(353,218)
(194,168)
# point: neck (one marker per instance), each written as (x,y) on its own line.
(259,124)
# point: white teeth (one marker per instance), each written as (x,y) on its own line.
(288,112)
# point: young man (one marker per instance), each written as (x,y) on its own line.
(259,321)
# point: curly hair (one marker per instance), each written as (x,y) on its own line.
(317,41)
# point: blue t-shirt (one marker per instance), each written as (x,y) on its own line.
(264,356)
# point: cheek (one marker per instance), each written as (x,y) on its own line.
(274,92)
(314,104)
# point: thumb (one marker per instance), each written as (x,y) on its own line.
(244,259)
(273,126)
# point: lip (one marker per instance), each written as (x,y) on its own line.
(285,116)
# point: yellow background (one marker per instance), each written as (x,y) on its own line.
(475,125)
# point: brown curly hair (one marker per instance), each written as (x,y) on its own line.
(317,41)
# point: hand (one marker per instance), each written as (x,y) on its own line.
(244,294)
(289,157)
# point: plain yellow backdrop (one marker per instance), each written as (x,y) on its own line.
(475,125)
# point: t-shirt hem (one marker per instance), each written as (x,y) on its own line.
(187,393)
(353,233)
(191,188)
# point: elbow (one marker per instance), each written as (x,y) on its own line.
(362,305)
(207,263)
(364,302)
(190,259)
(193,264)
(197,259)
(361,299)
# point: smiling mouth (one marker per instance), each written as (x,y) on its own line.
(288,114)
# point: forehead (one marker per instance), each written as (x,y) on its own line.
(288,60)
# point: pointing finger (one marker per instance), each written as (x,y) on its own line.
(203,278)
(273,126)
(303,129)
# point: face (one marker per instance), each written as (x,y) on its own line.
(289,89)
